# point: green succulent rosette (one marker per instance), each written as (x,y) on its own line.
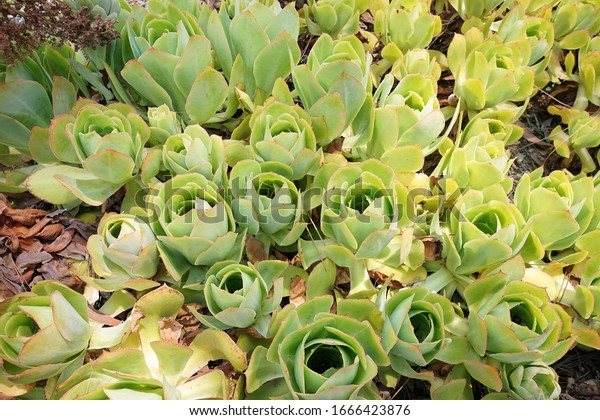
(196,151)
(479,159)
(361,205)
(106,141)
(414,328)
(531,381)
(163,124)
(333,86)
(152,364)
(242,295)
(266,204)
(575,22)
(253,48)
(194,226)
(490,73)
(317,355)
(539,31)
(124,253)
(333,17)
(580,135)
(408,24)
(173,65)
(485,235)
(283,141)
(559,200)
(407,117)
(43,333)
(516,322)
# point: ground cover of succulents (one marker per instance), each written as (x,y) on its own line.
(320,199)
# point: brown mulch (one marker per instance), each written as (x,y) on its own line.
(39,245)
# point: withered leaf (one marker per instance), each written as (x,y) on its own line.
(61,242)
(170,330)
(255,250)
(29,259)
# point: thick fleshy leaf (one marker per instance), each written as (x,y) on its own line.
(206,96)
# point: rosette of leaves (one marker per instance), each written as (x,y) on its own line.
(407,119)
(333,87)
(515,322)
(361,205)
(317,355)
(479,12)
(194,226)
(123,253)
(242,295)
(575,22)
(333,17)
(580,135)
(414,61)
(281,140)
(152,364)
(559,200)
(266,204)
(163,124)
(254,48)
(193,151)
(235,7)
(517,25)
(408,24)
(532,381)
(587,75)
(479,159)
(177,70)
(106,141)
(43,333)
(490,73)
(483,235)
(413,333)
(581,301)
(144,26)
(35,90)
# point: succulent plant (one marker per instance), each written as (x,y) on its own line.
(579,136)
(240,296)
(107,141)
(516,323)
(334,17)
(408,24)
(414,327)
(333,86)
(196,151)
(255,47)
(407,115)
(124,252)
(319,355)
(361,205)
(152,364)
(567,204)
(193,224)
(266,204)
(490,72)
(44,333)
(282,140)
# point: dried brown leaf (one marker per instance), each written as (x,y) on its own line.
(27,260)
(170,330)
(255,250)
(61,242)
